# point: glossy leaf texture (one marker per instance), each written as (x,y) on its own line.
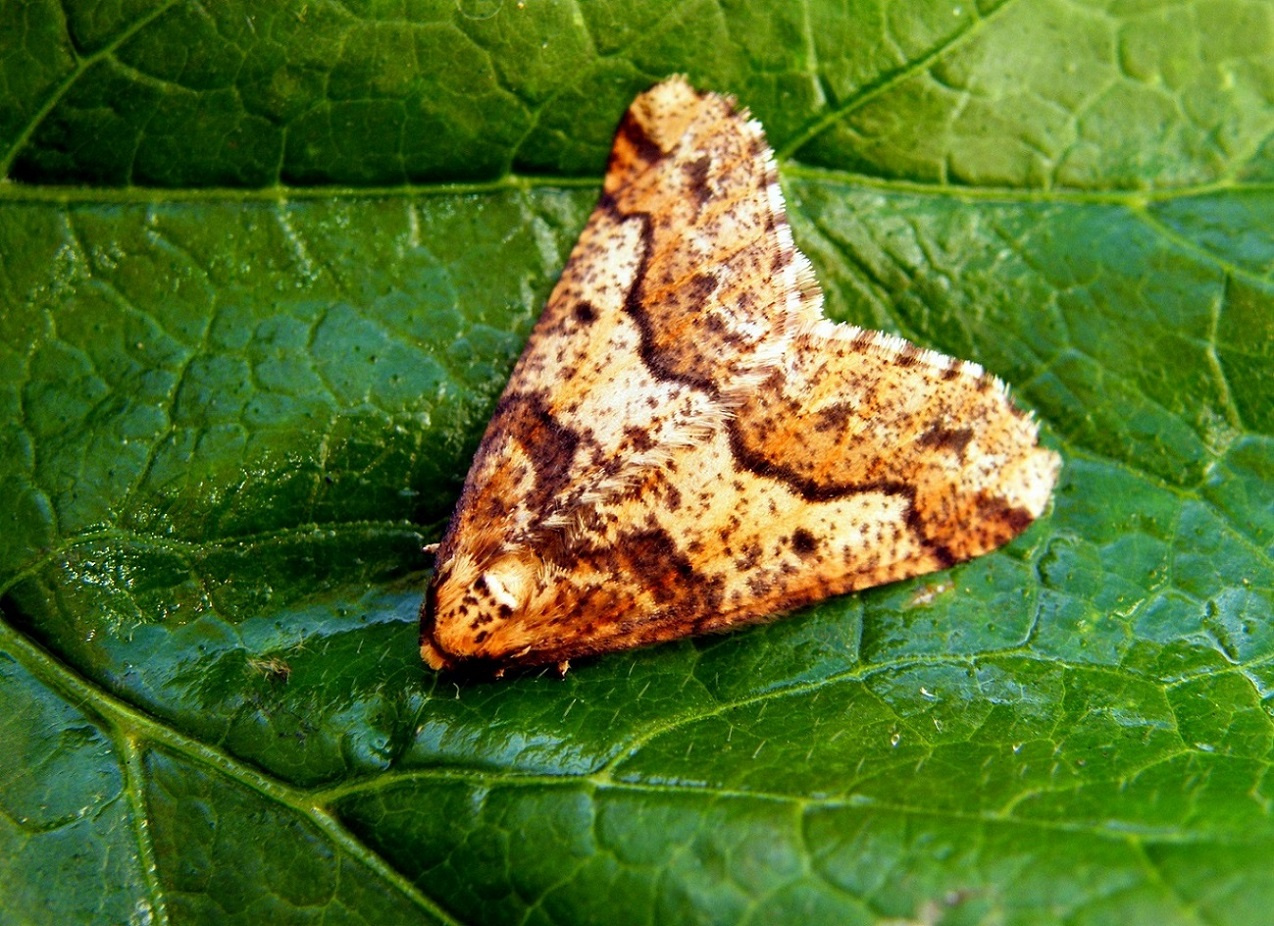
(263,271)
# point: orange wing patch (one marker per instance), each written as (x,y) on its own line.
(687,444)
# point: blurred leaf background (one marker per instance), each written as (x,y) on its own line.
(263,272)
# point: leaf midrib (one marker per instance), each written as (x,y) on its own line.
(23,194)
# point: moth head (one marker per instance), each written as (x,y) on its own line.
(471,610)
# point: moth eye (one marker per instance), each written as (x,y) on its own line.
(505,584)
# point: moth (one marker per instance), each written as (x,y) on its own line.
(687,444)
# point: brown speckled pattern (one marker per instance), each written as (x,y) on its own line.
(687,445)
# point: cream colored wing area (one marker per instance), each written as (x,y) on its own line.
(587,352)
(581,411)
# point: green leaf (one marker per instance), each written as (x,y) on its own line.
(263,272)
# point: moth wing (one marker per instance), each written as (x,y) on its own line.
(687,445)
(656,312)
(861,460)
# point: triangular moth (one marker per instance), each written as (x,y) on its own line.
(687,444)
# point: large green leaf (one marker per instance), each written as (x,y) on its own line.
(263,270)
